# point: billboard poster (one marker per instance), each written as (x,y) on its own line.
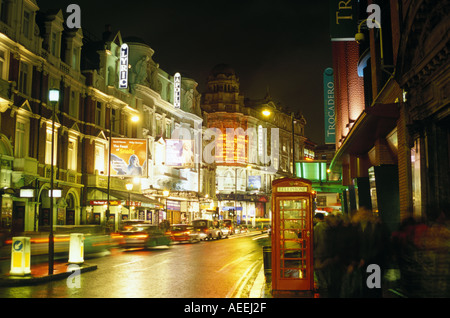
(179,153)
(254,182)
(128,157)
(329,106)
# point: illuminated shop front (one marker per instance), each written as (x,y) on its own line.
(123,206)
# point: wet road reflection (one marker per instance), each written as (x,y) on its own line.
(199,270)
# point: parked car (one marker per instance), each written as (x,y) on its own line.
(142,235)
(183,233)
(207,229)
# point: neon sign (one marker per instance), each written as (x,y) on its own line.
(177,91)
(123,70)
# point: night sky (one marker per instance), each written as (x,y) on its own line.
(283,45)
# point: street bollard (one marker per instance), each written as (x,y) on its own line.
(20,256)
(76,248)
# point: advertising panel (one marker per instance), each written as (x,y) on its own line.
(128,157)
(254,182)
(180,153)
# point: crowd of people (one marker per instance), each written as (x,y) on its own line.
(345,246)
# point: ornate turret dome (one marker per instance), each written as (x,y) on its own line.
(224,69)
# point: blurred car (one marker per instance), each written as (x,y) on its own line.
(183,233)
(240,229)
(142,235)
(207,229)
(96,239)
(127,223)
(226,231)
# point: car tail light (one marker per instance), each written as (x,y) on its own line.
(139,236)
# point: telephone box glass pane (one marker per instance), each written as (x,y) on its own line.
(294,234)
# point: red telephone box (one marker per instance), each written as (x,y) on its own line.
(292,233)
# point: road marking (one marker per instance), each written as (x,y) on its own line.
(240,259)
(237,289)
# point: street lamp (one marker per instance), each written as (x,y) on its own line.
(293,145)
(53,97)
(165,194)
(134,119)
(129,187)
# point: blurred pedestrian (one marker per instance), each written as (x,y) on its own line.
(333,264)
(320,253)
(348,249)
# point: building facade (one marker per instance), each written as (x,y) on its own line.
(38,53)
(391,119)
(253,145)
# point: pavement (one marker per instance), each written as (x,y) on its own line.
(39,274)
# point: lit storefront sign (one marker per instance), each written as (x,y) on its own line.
(123,70)
(343,20)
(315,171)
(329,110)
(173,205)
(105,202)
(177,91)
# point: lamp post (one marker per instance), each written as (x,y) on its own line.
(129,187)
(165,194)
(293,145)
(53,97)
(134,119)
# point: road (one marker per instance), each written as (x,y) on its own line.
(210,269)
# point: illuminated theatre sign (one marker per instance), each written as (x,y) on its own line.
(123,70)
(177,91)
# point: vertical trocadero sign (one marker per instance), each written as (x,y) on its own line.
(123,70)
(177,91)
(329,111)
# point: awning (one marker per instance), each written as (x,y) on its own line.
(123,195)
(373,123)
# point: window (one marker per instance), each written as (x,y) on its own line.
(53,44)
(48,147)
(72,154)
(114,118)
(3,66)
(100,158)
(74,104)
(158,126)
(75,58)
(21,140)
(98,114)
(168,130)
(416,178)
(24,78)
(125,125)
(4,11)
(26,23)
